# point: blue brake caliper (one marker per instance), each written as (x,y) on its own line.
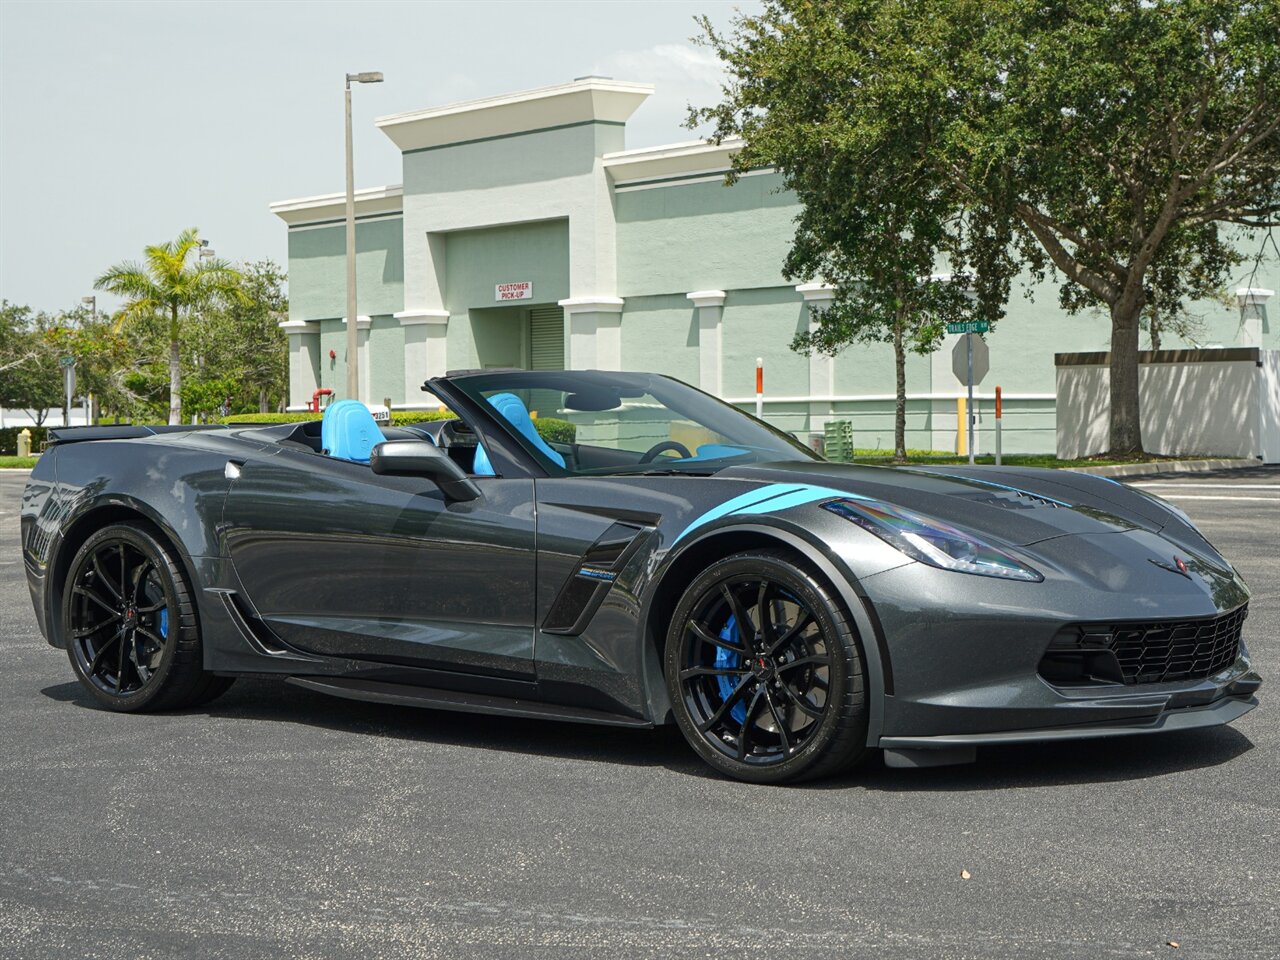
(164,622)
(727,660)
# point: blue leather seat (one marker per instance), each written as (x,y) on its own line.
(348,431)
(515,413)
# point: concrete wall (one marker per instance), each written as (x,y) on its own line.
(1220,403)
(318,270)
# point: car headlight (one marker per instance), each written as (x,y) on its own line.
(931,541)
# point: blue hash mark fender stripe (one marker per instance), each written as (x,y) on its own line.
(767,499)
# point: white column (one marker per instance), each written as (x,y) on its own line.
(362,357)
(594,327)
(710,307)
(1253,314)
(425,337)
(822,368)
(304,361)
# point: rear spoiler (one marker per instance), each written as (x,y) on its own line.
(124,431)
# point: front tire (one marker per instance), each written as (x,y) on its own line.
(130,627)
(765,673)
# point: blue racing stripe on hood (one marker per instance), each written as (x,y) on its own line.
(766,499)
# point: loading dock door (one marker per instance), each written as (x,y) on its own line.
(546,338)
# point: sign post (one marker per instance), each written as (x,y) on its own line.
(998,419)
(68,365)
(970,361)
(759,388)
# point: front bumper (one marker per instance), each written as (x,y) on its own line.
(1165,714)
(966,663)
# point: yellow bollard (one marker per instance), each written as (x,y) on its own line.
(962,433)
(24,442)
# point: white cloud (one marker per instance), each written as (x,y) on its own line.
(682,75)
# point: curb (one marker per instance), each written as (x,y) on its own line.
(1165,466)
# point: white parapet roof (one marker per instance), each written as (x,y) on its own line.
(370,201)
(689,158)
(583,100)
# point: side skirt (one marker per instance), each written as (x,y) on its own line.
(403,694)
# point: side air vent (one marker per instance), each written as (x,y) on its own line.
(582,593)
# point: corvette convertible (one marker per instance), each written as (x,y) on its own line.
(621,548)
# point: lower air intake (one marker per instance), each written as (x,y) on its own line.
(1156,651)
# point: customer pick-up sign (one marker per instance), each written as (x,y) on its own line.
(520,290)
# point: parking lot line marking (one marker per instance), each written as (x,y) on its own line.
(1190,496)
(1214,486)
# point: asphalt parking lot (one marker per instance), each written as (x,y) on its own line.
(279,822)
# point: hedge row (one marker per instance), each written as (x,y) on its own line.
(551,429)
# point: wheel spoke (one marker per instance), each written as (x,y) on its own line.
(764,616)
(707,636)
(800,702)
(746,725)
(120,666)
(84,591)
(90,631)
(147,567)
(802,622)
(713,672)
(105,580)
(97,657)
(724,707)
(779,720)
(739,614)
(154,637)
(817,659)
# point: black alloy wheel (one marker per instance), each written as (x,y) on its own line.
(129,624)
(764,671)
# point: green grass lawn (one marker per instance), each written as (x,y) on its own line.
(25,463)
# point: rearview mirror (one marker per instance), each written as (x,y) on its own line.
(422,458)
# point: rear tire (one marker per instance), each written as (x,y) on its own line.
(130,626)
(781,700)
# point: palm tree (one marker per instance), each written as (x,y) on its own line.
(166,285)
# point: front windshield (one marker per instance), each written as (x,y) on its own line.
(586,423)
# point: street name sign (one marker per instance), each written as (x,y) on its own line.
(969,326)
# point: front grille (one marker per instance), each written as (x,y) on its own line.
(1158,651)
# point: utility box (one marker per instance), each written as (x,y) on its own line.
(1212,403)
(837,440)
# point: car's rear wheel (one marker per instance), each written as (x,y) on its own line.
(129,622)
(765,673)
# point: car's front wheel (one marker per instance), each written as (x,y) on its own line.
(765,673)
(129,623)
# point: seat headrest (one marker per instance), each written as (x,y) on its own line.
(515,413)
(349,432)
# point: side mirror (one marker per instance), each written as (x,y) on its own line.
(422,458)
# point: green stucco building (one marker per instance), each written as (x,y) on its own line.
(526,234)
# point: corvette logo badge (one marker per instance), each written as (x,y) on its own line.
(1179,566)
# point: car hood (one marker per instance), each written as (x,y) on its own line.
(1015,508)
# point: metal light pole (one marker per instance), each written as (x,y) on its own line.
(93,303)
(353,366)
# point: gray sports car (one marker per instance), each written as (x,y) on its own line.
(620,548)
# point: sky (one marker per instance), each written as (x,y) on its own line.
(122,123)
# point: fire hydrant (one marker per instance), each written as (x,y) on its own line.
(24,442)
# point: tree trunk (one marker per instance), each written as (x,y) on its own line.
(175,370)
(262,399)
(1126,427)
(900,397)
(1155,330)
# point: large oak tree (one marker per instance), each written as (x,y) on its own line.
(1118,141)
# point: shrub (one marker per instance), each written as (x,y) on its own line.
(556,431)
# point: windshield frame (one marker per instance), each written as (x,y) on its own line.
(473,385)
